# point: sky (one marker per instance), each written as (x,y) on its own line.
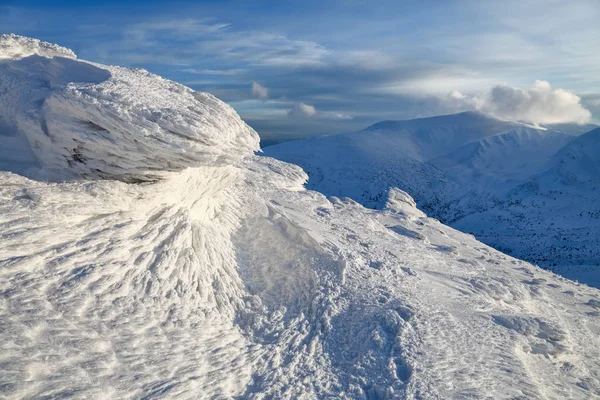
(303,68)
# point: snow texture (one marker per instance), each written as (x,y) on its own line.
(81,119)
(531,192)
(223,277)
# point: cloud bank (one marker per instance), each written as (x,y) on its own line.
(539,104)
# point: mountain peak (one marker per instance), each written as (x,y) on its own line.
(466,115)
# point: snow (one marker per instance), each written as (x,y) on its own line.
(532,193)
(572,129)
(427,138)
(224,277)
(15,47)
(98,121)
(579,159)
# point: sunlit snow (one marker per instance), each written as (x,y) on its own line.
(146,252)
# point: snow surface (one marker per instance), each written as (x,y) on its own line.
(81,119)
(16,47)
(479,174)
(224,277)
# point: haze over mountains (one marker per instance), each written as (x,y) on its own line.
(533,192)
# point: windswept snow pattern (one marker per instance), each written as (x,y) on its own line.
(223,277)
(531,192)
(16,47)
(85,120)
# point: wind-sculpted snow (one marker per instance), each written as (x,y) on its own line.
(15,47)
(231,280)
(81,119)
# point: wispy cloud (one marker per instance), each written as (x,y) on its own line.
(224,72)
(302,110)
(353,71)
(260,91)
(192,41)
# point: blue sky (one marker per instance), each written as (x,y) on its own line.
(320,67)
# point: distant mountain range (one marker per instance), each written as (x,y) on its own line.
(532,192)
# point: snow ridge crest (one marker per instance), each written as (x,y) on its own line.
(16,47)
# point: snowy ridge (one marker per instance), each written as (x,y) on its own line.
(515,187)
(16,47)
(427,138)
(528,150)
(226,278)
(579,159)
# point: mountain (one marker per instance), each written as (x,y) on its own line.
(146,252)
(510,156)
(553,218)
(475,173)
(427,138)
(579,161)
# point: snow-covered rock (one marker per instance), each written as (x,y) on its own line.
(518,188)
(225,278)
(81,119)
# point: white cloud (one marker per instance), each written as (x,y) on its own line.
(302,110)
(260,91)
(538,104)
(306,110)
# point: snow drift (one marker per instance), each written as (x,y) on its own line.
(145,252)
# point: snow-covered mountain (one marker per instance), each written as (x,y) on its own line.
(553,218)
(146,252)
(475,173)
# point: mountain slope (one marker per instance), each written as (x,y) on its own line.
(222,276)
(553,218)
(343,166)
(511,157)
(427,138)
(475,173)
(578,160)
